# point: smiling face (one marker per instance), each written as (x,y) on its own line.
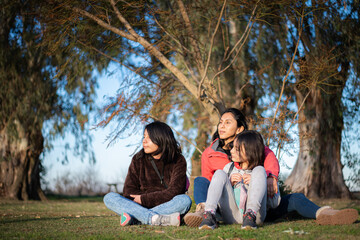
(148,145)
(228,128)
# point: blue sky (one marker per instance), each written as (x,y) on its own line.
(111,161)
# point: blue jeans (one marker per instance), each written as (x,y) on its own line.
(293,202)
(201,186)
(119,204)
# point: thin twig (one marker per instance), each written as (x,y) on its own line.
(233,60)
(210,49)
(246,29)
(137,71)
(285,78)
(292,122)
(241,40)
(104,24)
(172,37)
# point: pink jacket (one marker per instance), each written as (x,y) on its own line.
(212,160)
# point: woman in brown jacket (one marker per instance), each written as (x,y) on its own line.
(156,182)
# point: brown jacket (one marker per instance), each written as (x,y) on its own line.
(143,180)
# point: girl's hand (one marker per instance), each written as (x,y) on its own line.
(246,178)
(235,178)
(137,198)
(272,187)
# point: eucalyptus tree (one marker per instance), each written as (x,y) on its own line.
(38,102)
(326,61)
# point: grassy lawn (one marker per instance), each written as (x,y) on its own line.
(88,218)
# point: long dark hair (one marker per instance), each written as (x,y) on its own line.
(253,144)
(162,135)
(240,120)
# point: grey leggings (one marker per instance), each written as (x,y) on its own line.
(221,193)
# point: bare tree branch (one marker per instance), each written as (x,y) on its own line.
(104,24)
(211,102)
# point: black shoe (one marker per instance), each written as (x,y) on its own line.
(249,221)
(209,221)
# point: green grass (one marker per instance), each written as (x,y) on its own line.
(88,218)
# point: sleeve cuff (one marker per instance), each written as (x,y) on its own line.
(272,175)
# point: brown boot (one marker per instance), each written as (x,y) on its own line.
(194,219)
(329,216)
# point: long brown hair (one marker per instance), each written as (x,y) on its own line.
(161,134)
(253,144)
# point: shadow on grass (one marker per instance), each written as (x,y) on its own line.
(97,198)
(49,218)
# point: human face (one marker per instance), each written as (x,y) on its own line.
(238,154)
(148,145)
(228,128)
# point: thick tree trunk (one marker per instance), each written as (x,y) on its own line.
(20,165)
(318,170)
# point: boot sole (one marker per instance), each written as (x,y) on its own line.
(206,227)
(193,221)
(178,221)
(248,228)
(343,217)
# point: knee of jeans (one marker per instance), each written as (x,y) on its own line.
(200,180)
(184,199)
(187,200)
(259,170)
(297,196)
(220,174)
(108,196)
(295,199)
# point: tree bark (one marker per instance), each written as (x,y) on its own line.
(20,165)
(318,170)
(202,142)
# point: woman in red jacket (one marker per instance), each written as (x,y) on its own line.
(216,156)
(156,182)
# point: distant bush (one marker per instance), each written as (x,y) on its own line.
(85,183)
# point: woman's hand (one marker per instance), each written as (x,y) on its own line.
(137,198)
(272,187)
(235,178)
(246,178)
